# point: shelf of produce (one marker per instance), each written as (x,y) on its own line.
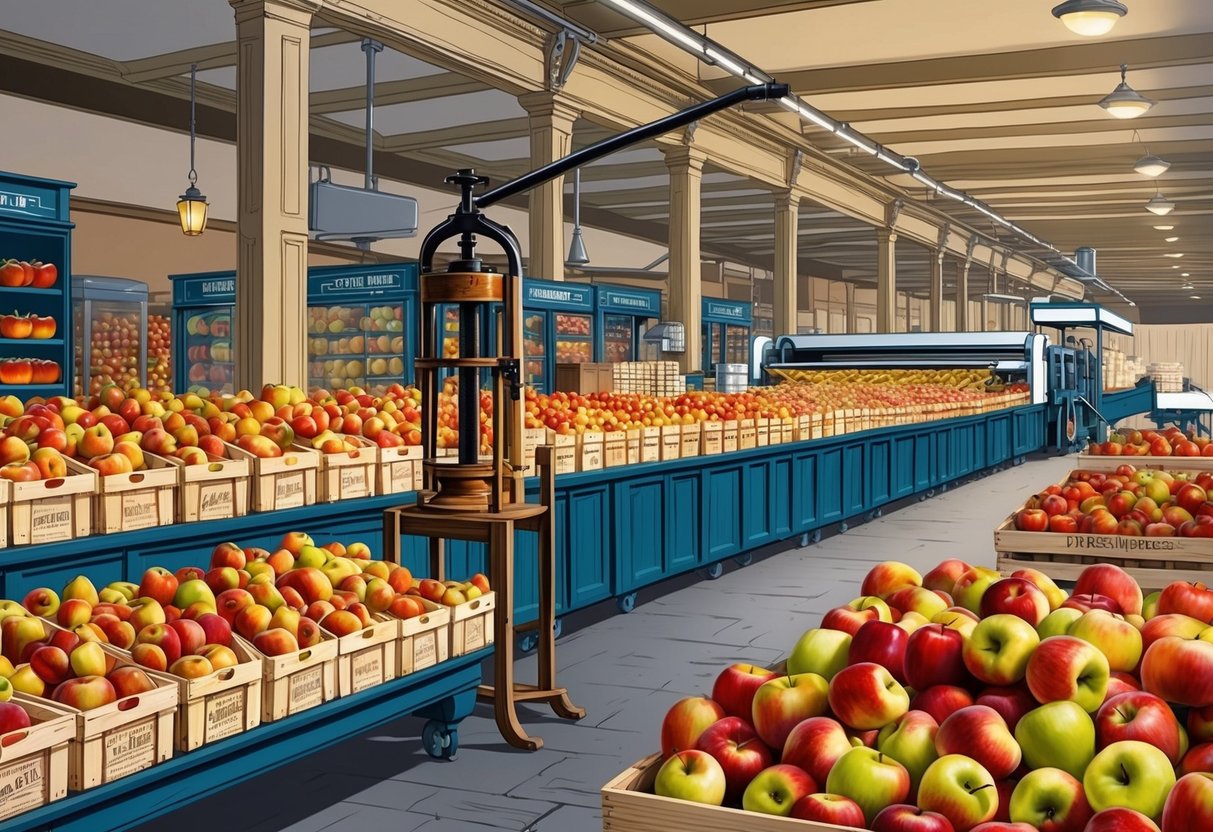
(27,391)
(28,290)
(619,529)
(445,692)
(36,342)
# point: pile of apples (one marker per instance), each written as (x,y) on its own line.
(69,667)
(159,352)
(964,700)
(23,371)
(1170,441)
(15,274)
(1128,502)
(37,327)
(114,351)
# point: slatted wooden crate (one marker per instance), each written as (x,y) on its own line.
(399,470)
(287,481)
(294,682)
(45,511)
(564,453)
(472,624)
(221,704)
(138,500)
(1102,462)
(216,490)
(712,440)
(424,640)
(34,761)
(368,657)
(730,439)
(346,475)
(629,805)
(614,449)
(650,444)
(590,448)
(690,440)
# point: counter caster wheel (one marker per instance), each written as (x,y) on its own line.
(922,498)
(744,560)
(843,528)
(714,571)
(804,540)
(815,537)
(878,513)
(527,642)
(943,489)
(626,603)
(556,628)
(931,492)
(440,742)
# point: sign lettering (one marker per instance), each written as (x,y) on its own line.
(140,510)
(288,491)
(217,500)
(425,650)
(130,749)
(1119,543)
(27,205)
(307,689)
(23,786)
(366,669)
(225,714)
(353,481)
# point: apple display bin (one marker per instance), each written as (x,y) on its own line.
(138,500)
(399,470)
(220,704)
(6,494)
(1153,562)
(368,657)
(48,511)
(472,624)
(215,490)
(629,805)
(281,482)
(297,681)
(346,475)
(34,760)
(1104,462)
(425,640)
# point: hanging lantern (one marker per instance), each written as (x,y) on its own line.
(191,205)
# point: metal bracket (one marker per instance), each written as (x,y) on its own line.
(688,134)
(969,252)
(942,245)
(891,212)
(795,162)
(512,375)
(564,48)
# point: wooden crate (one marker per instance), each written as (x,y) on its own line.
(730,436)
(650,444)
(472,624)
(1101,462)
(532,438)
(34,761)
(564,451)
(138,500)
(287,481)
(615,449)
(368,657)
(45,511)
(398,470)
(635,438)
(585,378)
(221,704)
(802,428)
(590,451)
(425,640)
(747,435)
(671,442)
(297,681)
(690,440)
(787,430)
(123,737)
(712,441)
(629,805)
(347,475)
(762,433)
(217,490)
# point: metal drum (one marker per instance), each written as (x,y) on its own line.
(732,378)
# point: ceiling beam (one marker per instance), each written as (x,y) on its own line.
(212,56)
(387,93)
(1099,124)
(603,20)
(489,131)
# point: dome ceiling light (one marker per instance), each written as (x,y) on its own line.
(1124,101)
(1151,165)
(1090,18)
(1160,205)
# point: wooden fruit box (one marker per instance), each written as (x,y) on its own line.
(564,453)
(590,449)
(650,444)
(287,481)
(711,441)
(762,435)
(424,640)
(635,440)
(399,470)
(123,737)
(690,440)
(45,511)
(346,475)
(368,657)
(614,449)
(34,761)
(221,704)
(629,805)
(1153,562)
(294,682)
(1103,462)
(532,438)
(730,437)
(472,624)
(138,500)
(671,442)
(217,490)
(747,435)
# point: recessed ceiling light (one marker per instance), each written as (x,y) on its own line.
(1175,267)
(1175,254)
(1160,205)
(1163,227)
(1194,297)
(1171,239)
(1184,274)
(1090,18)
(1124,101)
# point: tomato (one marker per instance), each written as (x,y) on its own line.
(16,371)
(11,274)
(45,275)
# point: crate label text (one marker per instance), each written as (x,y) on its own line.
(23,785)
(217,500)
(50,520)
(366,669)
(129,750)
(225,714)
(307,688)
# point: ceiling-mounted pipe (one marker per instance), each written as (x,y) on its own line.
(371,48)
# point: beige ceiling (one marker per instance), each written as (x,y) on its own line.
(995,97)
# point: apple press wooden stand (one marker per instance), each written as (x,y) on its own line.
(496,531)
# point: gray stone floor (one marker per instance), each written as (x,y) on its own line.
(626,670)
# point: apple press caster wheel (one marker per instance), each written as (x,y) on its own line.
(527,642)
(440,741)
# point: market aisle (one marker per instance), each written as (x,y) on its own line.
(626,671)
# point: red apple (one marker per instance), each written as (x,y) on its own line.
(941,701)
(828,808)
(933,657)
(1189,806)
(1180,671)
(1194,600)
(1011,702)
(1015,596)
(736,746)
(686,721)
(782,703)
(881,643)
(866,696)
(1139,715)
(815,745)
(902,817)
(735,687)
(980,733)
(1119,819)
(848,620)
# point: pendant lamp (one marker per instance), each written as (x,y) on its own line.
(1090,18)
(1124,101)
(191,206)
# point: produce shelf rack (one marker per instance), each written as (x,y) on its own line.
(443,694)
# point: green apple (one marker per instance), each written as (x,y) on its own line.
(1132,774)
(192,592)
(691,775)
(910,740)
(1049,798)
(960,789)
(971,585)
(998,650)
(126,588)
(775,790)
(312,556)
(1058,622)
(1058,735)
(1149,606)
(1115,637)
(820,651)
(871,778)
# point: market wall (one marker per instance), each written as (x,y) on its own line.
(1190,345)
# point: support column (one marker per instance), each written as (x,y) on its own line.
(935,322)
(852,310)
(551,138)
(962,296)
(886,280)
(787,239)
(686,295)
(272,45)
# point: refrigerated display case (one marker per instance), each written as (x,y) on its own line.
(357,323)
(557,327)
(109,323)
(203,335)
(623,316)
(726,333)
(35,356)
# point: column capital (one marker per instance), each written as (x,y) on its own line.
(299,12)
(684,156)
(551,108)
(787,199)
(886,235)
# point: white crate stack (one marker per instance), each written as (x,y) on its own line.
(649,378)
(1168,377)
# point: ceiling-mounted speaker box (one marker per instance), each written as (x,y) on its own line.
(340,212)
